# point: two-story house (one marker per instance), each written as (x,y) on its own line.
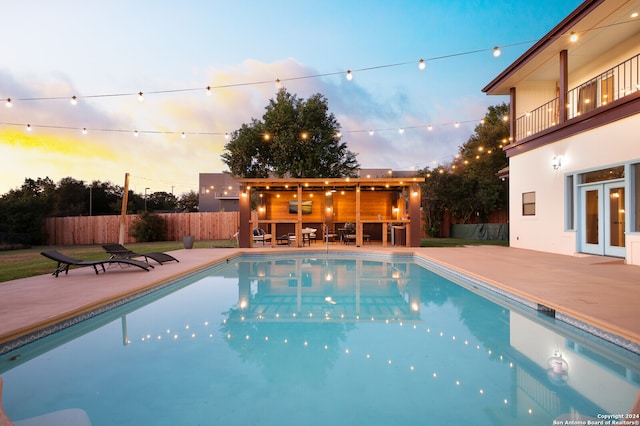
(574,153)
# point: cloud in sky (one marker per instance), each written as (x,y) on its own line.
(57,148)
(152,46)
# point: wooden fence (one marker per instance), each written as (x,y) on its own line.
(106,229)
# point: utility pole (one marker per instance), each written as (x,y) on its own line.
(123,214)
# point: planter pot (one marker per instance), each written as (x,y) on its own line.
(188,240)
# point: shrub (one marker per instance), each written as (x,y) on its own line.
(148,228)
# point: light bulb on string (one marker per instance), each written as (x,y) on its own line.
(226,135)
(496,52)
(430,127)
(74,100)
(278,84)
(183,135)
(422,64)
(135,133)
(140,96)
(84,131)
(349,75)
(401,130)
(8,104)
(209,90)
(573,37)
(371,132)
(28,127)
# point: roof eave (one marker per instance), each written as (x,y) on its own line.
(565,25)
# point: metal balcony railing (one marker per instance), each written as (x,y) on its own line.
(226,194)
(615,83)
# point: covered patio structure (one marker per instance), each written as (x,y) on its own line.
(345,210)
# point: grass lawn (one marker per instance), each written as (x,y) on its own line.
(24,263)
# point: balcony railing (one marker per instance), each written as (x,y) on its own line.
(613,84)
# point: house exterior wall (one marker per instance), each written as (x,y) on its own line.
(577,100)
(218,192)
(613,144)
(532,94)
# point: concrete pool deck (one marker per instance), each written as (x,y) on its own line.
(602,292)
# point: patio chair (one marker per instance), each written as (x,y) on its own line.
(260,235)
(118,251)
(283,240)
(64,262)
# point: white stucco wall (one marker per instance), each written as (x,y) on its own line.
(614,144)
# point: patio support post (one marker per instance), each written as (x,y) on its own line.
(358,223)
(413,231)
(564,86)
(245,238)
(299,240)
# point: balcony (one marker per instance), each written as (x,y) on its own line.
(614,84)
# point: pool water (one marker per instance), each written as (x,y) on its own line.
(320,340)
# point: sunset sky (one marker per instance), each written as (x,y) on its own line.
(104,53)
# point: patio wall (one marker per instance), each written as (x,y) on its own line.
(106,229)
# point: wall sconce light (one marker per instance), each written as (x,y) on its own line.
(556,162)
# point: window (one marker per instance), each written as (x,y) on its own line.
(529,204)
(606,89)
(587,97)
(568,203)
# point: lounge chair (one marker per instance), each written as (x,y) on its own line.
(64,262)
(118,251)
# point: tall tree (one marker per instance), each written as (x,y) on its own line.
(468,187)
(296,138)
(24,210)
(188,202)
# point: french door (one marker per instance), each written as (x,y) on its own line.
(602,219)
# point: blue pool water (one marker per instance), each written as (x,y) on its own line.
(320,341)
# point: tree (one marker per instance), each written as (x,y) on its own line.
(24,210)
(149,227)
(469,187)
(297,138)
(162,201)
(71,198)
(188,202)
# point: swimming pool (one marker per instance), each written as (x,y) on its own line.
(320,339)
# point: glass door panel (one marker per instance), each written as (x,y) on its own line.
(592,218)
(615,219)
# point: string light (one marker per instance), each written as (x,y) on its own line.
(422,65)
(8,103)
(74,100)
(140,97)
(349,75)
(496,52)
(573,37)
